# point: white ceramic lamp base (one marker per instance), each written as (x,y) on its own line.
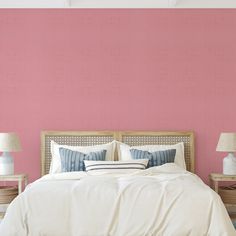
(229,165)
(6,164)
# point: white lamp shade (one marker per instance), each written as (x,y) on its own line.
(9,142)
(227,142)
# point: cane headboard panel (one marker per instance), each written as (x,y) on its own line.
(72,138)
(163,138)
(132,138)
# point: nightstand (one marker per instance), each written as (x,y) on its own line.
(215,180)
(22,181)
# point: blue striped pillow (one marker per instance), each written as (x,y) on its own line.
(74,160)
(157,158)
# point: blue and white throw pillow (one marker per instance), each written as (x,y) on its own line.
(155,158)
(74,160)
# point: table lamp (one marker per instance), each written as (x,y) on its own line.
(227,143)
(9,142)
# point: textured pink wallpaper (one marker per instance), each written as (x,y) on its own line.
(118,70)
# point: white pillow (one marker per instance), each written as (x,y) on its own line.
(55,166)
(115,167)
(124,151)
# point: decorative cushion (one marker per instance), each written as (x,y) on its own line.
(116,166)
(125,154)
(74,160)
(55,166)
(155,158)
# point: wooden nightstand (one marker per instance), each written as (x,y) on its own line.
(22,181)
(215,180)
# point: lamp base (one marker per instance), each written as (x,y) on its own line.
(6,164)
(229,165)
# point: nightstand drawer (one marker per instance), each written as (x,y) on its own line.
(228,194)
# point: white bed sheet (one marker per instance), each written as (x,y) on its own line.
(164,200)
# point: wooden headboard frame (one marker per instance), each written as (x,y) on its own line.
(132,138)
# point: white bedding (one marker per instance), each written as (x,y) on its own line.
(164,200)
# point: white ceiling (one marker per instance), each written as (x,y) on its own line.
(118,3)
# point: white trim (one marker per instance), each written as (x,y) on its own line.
(117,3)
(34,3)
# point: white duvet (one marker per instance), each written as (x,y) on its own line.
(162,200)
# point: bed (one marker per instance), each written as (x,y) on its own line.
(162,200)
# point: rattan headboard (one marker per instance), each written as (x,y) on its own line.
(132,138)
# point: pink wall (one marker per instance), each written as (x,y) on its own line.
(118,70)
